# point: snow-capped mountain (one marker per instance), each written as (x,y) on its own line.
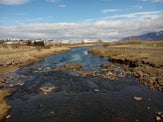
(153,36)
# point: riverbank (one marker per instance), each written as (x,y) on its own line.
(144,60)
(78,86)
(13,59)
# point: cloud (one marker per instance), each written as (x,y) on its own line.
(137,7)
(61,6)
(53,1)
(156,0)
(151,0)
(127,16)
(13,2)
(109,10)
(99,29)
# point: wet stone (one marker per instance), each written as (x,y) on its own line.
(158,118)
(47,87)
(96,90)
(52,114)
(8,116)
(138,98)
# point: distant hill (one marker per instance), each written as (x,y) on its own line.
(152,36)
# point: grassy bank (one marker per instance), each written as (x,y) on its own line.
(143,59)
(12,59)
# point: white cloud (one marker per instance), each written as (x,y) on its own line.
(62,6)
(128,16)
(109,10)
(151,0)
(13,2)
(54,1)
(101,29)
(157,0)
(137,7)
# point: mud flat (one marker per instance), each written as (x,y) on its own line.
(145,63)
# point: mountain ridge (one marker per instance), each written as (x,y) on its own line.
(155,36)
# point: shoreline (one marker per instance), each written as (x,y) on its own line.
(146,67)
(23,59)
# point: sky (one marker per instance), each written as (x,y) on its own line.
(78,20)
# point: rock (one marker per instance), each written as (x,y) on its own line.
(11,85)
(109,74)
(20,83)
(138,98)
(41,105)
(96,90)
(139,74)
(121,74)
(149,100)
(52,113)
(47,87)
(113,77)
(11,77)
(158,118)
(148,108)
(136,120)
(8,116)
(73,65)
(8,63)
(159,114)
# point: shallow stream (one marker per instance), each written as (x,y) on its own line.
(73,98)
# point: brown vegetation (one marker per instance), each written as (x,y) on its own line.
(144,60)
(4,107)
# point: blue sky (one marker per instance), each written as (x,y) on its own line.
(79,19)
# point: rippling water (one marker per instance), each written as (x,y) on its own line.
(73,98)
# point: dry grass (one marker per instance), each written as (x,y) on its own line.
(129,54)
(157,45)
(144,59)
(26,55)
(4,108)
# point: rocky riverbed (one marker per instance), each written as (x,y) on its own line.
(78,86)
(12,61)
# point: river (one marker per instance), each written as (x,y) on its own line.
(73,99)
